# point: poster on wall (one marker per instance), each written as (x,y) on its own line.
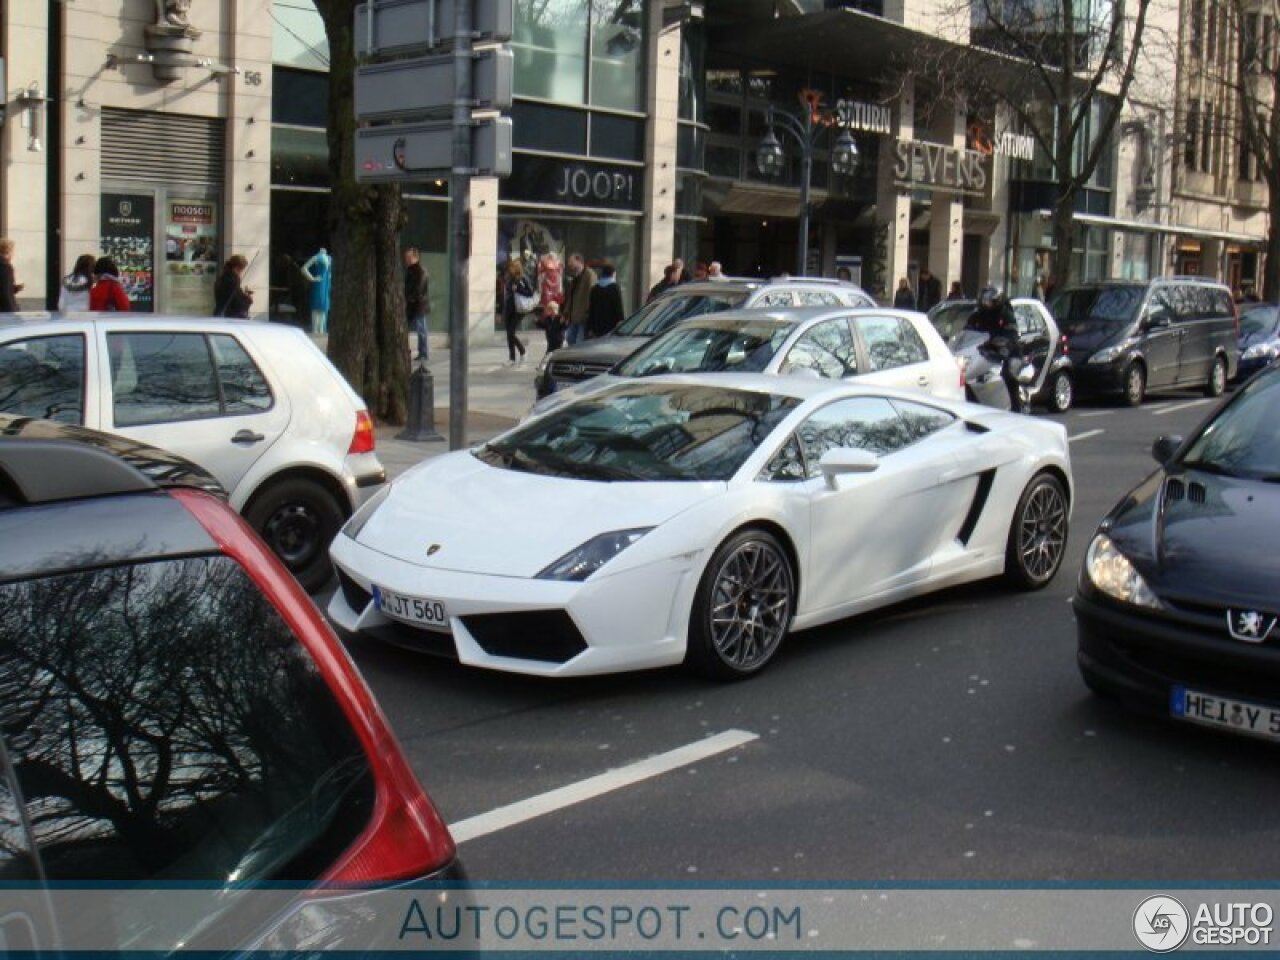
(128,238)
(190,255)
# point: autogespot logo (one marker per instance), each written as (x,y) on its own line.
(1161,924)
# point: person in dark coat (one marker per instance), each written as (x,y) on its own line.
(666,283)
(230,297)
(604,312)
(930,291)
(8,288)
(514,283)
(904,299)
(994,316)
(417,299)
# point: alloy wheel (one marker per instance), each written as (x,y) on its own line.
(1042,531)
(750,608)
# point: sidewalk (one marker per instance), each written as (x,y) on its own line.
(498,395)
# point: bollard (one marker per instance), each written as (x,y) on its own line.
(421,425)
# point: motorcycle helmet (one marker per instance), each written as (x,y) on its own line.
(989,297)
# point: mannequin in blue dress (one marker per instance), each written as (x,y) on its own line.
(319,270)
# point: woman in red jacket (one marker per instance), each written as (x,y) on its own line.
(108,292)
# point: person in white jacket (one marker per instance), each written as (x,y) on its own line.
(74,292)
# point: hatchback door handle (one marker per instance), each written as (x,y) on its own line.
(923,381)
(247,436)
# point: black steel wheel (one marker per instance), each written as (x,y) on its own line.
(298,518)
(743,607)
(1038,534)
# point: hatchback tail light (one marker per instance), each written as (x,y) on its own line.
(405,837)
(363,440)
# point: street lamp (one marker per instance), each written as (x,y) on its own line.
(770,162)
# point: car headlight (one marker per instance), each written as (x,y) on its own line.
(358,519)
(1111,572)
(1108,354)
(1263,351)
(582,562)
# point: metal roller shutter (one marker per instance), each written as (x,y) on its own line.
(162,147)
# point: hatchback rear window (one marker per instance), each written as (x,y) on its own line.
(164,723)
(669,310)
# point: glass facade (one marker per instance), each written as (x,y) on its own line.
(617,240)
(581,52)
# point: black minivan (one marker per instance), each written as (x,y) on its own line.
(1126,338)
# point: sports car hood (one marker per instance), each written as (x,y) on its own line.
(1214,541)
(490,520)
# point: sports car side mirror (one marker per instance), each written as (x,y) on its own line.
(839,461)
(1164,448)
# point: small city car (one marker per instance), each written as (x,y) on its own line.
(1127,338)
(892,348)
(1177,604)
(256,404)
(174,710)
(590,358)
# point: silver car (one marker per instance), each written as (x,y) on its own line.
(256,404)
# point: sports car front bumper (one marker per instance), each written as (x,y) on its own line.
(634,620)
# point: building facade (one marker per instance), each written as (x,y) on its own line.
(172,133)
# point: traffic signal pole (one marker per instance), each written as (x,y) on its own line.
(460,226)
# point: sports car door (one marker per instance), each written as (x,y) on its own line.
(874,533)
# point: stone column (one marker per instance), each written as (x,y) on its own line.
(23,166)
(946,219)
(482,270)
(663,107)
(247,199)
(893,203)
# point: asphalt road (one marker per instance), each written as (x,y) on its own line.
(947,739)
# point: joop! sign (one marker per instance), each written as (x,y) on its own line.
(575,183)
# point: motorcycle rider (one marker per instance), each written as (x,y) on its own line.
(994,316)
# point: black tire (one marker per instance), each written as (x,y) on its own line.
(298,518)
(743,607)
(1135,385)
(1060,392)
(1037,534)
(1217,384)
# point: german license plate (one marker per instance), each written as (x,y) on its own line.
(420,610)
(1237,716)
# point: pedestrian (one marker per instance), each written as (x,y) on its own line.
(417,299)
(230,297)
(994,316)
(579,282)
(8,287)
(662,286)
(930,291)
(844,274)
(904,299)
(699,272)
(680,275)
(550,299)
(518,299)
(605,310)
(715,271)
(108,292)
(956,292)
(73,294)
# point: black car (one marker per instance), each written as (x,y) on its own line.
(1178,602)
(1259,337)
(174,710)
(1127,338)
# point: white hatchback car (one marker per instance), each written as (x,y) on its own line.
(258,405)
(874,345)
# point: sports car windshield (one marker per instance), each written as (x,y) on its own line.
(1259,320)
(691,349)
(644,432)
(1243,440)
(669,310)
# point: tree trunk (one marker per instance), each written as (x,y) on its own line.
(1271,266)
(368,341)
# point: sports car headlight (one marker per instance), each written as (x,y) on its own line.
(582,562)
(1107,354)
(358,519)
(1265,350)
(1113,574)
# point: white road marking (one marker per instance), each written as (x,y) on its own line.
(1181,406)
(597,786)
(1097,413)
(1084,436)
(1155,407)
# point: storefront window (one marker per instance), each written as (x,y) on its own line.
(299,157)
(599,240)
(550,47)
(617,54)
